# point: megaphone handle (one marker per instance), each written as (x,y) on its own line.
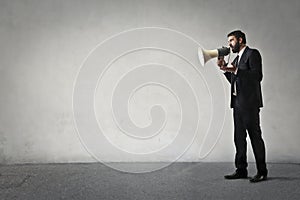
(222,59)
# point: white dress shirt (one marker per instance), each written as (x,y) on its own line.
(235,72)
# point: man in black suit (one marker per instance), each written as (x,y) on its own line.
(245,76)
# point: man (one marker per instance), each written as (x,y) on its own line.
(245,76)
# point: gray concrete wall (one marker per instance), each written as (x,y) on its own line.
(44,44)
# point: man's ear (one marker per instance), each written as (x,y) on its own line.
(240,40)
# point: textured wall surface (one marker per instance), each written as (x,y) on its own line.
(155,102)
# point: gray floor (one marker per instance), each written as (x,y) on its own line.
(178,181)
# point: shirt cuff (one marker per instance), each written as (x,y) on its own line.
(235,72)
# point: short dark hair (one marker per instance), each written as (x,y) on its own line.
(238,34)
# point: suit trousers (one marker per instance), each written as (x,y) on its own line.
(247,120)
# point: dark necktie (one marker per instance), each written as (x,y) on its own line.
(234,82)
(236,61)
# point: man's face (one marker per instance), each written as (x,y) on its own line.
(234,44)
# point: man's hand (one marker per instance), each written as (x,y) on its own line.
(229,69)
(221,62)
(223,66)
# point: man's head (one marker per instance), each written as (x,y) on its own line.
(236,40)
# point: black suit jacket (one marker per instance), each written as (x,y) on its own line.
(248,78)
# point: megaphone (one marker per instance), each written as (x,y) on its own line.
(205,55)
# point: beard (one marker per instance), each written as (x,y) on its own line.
(236,48)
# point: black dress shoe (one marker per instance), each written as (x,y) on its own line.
(258,178)
(237,175)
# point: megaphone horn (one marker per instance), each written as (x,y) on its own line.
(206,55)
